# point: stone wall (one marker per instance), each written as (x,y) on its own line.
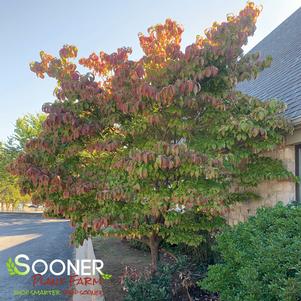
(271,191)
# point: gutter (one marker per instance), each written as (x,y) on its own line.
(296,121)
(295,138)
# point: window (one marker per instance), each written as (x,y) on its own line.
(298,171)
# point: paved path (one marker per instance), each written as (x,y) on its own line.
(31,234)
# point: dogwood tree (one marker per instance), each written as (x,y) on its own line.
(151,148)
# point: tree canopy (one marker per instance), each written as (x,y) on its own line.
(152,148)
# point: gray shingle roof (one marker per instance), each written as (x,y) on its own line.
(283,79)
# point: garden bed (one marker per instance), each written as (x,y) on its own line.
(116,255)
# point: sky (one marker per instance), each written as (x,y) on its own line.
(26,27)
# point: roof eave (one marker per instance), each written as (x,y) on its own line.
(296,121)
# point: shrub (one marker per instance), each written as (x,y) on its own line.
(173,282)
(152,288)
(261,258)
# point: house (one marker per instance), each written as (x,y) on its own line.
(281,81)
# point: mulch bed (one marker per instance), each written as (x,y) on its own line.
(117,254)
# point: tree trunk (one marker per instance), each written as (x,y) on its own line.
(154,243)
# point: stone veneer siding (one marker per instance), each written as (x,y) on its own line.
(271,191)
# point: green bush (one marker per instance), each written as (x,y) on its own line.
(261,258)
(153,288)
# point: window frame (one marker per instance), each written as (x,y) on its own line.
(298,171)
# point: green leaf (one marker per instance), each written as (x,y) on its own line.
(11,267)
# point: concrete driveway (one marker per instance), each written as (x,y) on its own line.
(39,238)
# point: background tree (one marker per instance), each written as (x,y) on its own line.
(9,189)
(26,128)
(153,149)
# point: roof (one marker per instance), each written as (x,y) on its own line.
(283,79)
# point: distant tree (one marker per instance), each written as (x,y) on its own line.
(26,128)
(9,189)
(151,149)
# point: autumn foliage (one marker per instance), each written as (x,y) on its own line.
(151,149)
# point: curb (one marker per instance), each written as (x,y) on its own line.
(86,251)
(22,212)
